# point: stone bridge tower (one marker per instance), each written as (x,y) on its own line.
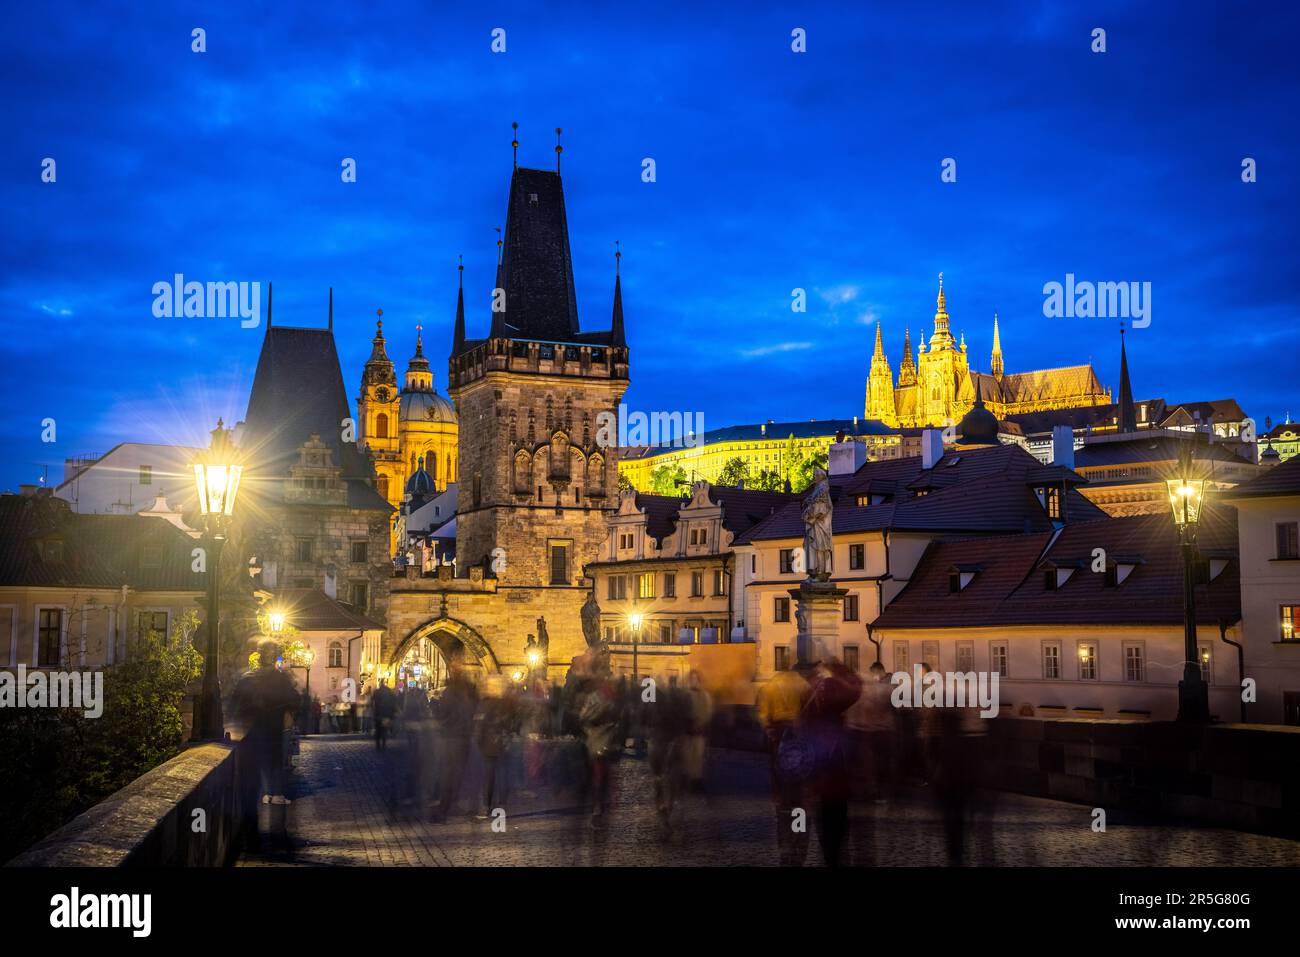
(536,472)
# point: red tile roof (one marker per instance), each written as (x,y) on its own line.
(1011,588)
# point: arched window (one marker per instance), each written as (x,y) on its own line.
(431,465)
(336,654)
(381,426)
(382,484)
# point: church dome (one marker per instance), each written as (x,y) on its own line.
(979,426)
(421,482)
(426,407)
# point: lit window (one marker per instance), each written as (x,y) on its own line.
(1087,661)
(1290,615)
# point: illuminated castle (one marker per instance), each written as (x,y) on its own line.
(938,387)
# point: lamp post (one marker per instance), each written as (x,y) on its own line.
(1185,498)
(634,620)
(216,479)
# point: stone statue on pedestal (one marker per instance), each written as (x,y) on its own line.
(591,621)
(817,541)
(543,639)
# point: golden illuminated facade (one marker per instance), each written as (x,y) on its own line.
(938,388)
(402,430)
(765,447)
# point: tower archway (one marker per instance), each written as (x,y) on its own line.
(457,642)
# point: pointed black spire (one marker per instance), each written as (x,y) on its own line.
(617,337)
(497,329)
(1127,413)
(536,269)
(458,337)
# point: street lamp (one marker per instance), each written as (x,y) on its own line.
(276,622)
(216,479)
(305,658)
(634,620)
(1186,495)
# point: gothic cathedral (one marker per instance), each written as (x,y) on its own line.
(938,388)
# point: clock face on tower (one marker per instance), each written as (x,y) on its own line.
(381,394)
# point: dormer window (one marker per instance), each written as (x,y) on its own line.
(1055,576)
(51,550)
(1049,496)
(532,199)
(1119,568)
(959,576)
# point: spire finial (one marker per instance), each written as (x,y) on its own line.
(379,323)
(331,308)
(618,256)
(270,291)
(461,269)
(419,339)
(514,143)
(500,244)
(558,148)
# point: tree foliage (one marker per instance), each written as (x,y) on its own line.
(734,471)
(664,479)
(58,762)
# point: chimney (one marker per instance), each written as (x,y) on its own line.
(931,448)
(331,582)
(1063,446)
(845,458)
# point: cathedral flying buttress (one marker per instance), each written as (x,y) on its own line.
(937,387)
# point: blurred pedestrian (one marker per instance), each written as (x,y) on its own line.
(264,702)
(601,720)
(780,699)
(491,728)
(668,725)
(697,738)
(385,708)
(872,730)
(455,714)
(833,690)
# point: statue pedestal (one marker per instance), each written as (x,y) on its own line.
(818,611)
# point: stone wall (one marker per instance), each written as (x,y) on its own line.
(150,822)
(1240,776)
(332,531)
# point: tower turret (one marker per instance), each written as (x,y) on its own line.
(995,363)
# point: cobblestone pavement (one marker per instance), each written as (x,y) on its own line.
(345,811)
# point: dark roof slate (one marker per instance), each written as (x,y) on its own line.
(1011,588)
(97,551)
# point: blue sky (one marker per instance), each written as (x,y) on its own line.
(775,170)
